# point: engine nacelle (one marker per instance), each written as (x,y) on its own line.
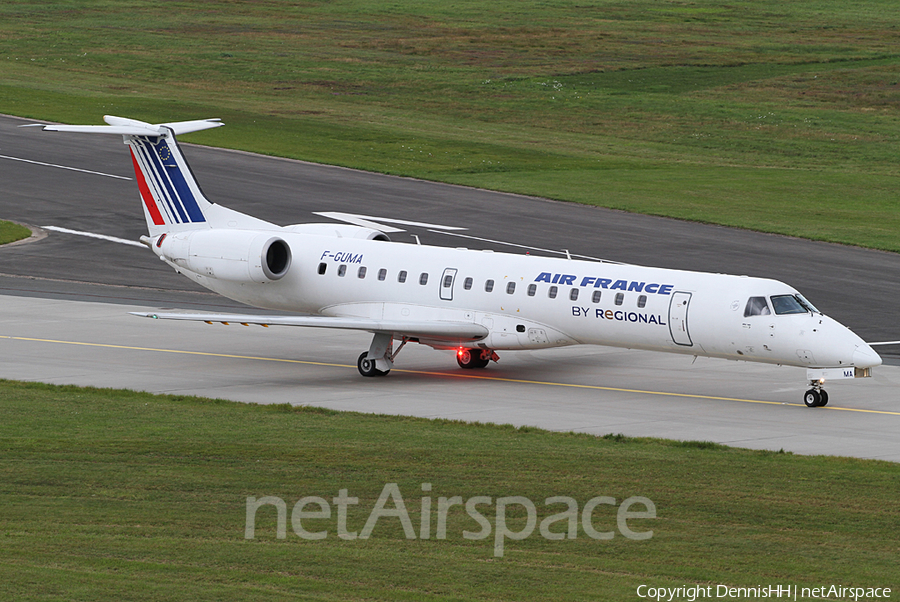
(236,255)
(338,231)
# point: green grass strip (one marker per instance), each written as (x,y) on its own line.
(10,232)
(113,494)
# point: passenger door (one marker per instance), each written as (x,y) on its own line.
(678,318)
(447,280)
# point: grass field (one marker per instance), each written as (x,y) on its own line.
(10,232)
(115,495)
(776,116)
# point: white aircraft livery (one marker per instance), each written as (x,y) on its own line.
(474,302)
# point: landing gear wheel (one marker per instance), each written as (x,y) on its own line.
(813,398)
(471,358)
(367,367)
(824,398)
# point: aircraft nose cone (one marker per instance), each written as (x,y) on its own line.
(865,357)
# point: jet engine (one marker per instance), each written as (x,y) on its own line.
(236,255)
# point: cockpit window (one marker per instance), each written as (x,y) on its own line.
(756,306)
(805,303)
(788,304)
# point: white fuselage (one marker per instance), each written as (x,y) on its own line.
(594,303)
(350,277)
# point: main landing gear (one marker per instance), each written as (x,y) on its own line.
(816,397)
(475,358)
(367,367)
(379,359)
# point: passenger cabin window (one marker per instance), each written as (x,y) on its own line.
(401,277)
(382,274)
(573,294)
(510,288)
(552,292)
(620,298)
(322,267)
(448,280)
(361,273)
(756,306)
(467,284)
(488,286)
(342,269)
(423,278)
(642,301)
(787,304)
(596,297)
(532,289)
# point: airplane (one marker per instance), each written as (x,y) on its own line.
(474,302)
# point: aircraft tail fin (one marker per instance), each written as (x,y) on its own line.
(172,199)
(168,189)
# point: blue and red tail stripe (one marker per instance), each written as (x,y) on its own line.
(164,188)
(146,195)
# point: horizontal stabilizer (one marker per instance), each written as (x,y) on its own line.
(125,130)
(186,127)
(133,127)
(171,197)
(439,330)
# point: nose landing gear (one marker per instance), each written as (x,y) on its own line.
(816,397)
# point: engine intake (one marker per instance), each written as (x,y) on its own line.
(277,255)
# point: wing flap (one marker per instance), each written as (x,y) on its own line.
(433,330)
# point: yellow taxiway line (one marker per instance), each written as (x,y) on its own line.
(445,374)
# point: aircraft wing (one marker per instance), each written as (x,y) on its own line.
(433,330)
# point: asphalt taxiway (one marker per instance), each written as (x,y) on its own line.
(64,303)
